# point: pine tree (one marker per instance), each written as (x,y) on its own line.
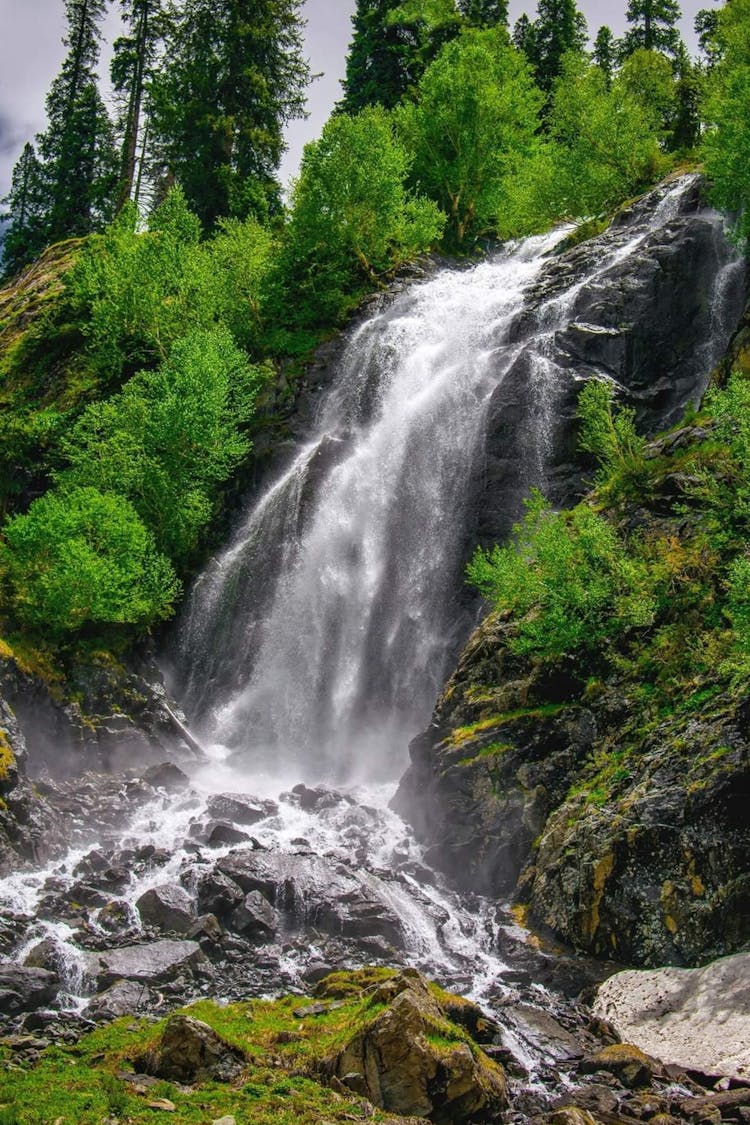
(233,77)
(25,235)
(559,27)
(523,33)
(706,28)
(653,26)
(384,57)
(77,148)
(605,52)
(686,126)
(132,65)
(485,13)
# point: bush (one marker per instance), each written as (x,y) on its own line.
(80,557)
(568,580)
(169,437)
(611,437)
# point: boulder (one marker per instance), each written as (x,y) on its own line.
(629,1064)
(217,894)
(696,1018)
(190,1050)
(167,776)
(22,988)
(409,1060)
(239,808)
(155,963)
(123,998)
(255,917)
(167,907)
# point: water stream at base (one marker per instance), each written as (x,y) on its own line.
(313,647)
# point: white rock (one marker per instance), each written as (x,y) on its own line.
(697,1018)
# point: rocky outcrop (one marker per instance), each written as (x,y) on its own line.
(654,321)
(696,1018)
(408,1059)
(619,828)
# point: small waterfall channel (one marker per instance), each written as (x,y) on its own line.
(313,647)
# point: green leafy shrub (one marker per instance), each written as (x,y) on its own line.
(80,557)
(610,435)
(170,437)
(568,580)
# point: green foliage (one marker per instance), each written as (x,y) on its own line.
(352,218)
(233,76)
(169,438)
(653,26)
(559,29)
(726,144)
(80,557)
(568,580)
(611,437)
(606,142)
(648,77)
(26,235)
(474,123)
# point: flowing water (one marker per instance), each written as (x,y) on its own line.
(313,647)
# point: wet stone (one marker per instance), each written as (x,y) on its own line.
(239,808)
(156,962)
(255,917)
(22,989)
(168,908)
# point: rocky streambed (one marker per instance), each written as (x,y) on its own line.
(162,889)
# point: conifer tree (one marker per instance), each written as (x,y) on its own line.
(706,25)
(559,27)
(686,126)
(25,235)
(384,57)
(653,26)
(605,52)
(77,148)
(233,77)
(485,13)
(132,64)
(523,34)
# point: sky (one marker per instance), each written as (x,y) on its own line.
(31,52)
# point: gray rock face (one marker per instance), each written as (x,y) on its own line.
(168,908)
(696,1018)
(123,998)
(155,963)
(22,989)
(647,321)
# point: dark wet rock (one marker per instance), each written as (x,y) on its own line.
(316,971)
(217,894)
(189,1050)
(315,800)
(239,808)
(155,963)
(124,997)
(168,908)
(394,1062)
(22,988)
(116,917)
(206,930)
(255,917)
(167,776)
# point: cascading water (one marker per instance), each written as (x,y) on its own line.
(339,661)
(317,641)
(313,647)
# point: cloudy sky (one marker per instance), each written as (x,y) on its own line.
(31,52)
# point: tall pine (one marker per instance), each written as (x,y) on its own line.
(233,77)
(384,59)
(605,52)
(77,148)
(559,27)
(653,26)
(25,235)
(132,65)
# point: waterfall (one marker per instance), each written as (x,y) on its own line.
(317,641)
